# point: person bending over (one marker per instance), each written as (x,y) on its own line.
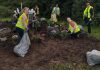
(22,23)
(73,29)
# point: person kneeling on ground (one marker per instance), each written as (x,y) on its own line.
(22,23)
(73,29)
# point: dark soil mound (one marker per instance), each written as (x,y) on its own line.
(50,51)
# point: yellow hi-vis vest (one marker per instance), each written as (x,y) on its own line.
(72,30)
(19,22)
(87,12)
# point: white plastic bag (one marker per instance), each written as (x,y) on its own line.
(22,48)
(93,57)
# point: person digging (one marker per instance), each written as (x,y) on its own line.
(73,29)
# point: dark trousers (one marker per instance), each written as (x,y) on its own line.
(89,26)
(88,23)
(75,35)
(20,32)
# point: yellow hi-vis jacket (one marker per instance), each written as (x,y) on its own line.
(87,12)
(72,30)
(20,23)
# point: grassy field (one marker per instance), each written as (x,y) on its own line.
(96,32)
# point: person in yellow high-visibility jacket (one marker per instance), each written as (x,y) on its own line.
(88,15)
(22,23)
(73,29)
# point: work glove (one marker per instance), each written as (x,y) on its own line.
(27,29)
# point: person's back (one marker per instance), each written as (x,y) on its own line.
(73,28)
(56,10)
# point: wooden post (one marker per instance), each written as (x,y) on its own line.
(21,5)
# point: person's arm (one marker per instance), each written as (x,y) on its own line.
(23,21)
(92,12)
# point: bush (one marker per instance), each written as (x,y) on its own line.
(5,11)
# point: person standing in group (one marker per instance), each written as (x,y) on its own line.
(88,15)
(15,17)
(18,12)
(55,14)
(22,23)
(32,14)
(37,10)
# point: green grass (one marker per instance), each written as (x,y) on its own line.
(5,19)
(72,66)
(95,32)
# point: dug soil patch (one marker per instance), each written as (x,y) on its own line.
(50,51)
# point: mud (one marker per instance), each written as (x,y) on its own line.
(50,51)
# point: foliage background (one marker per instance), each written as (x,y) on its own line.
(69,8)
